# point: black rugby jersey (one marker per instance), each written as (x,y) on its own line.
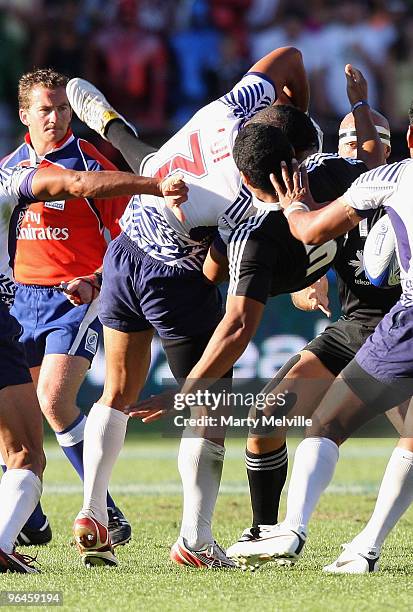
(266,260)
(329,177)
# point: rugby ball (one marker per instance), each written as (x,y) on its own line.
(381,264)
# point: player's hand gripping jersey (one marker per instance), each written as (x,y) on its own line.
(61,240)
(202,150)
(390,187)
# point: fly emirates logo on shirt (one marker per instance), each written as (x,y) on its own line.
(30,228)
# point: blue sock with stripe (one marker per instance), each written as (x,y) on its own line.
(71,442)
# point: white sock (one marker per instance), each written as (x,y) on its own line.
(104,436)
(72,436)
(395,496)
(200,466)
(314,464)
(20,492)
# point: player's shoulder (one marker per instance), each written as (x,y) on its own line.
(251,94)
(330,175)
(15,158)
(259,226)
(93,155)
(332,161)
(387,174)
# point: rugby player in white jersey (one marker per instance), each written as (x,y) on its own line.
(21,427)
(378,378)
(154,281)
(264,260)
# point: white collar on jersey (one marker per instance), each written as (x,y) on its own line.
(265,205)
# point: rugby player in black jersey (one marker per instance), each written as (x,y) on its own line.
(310,373)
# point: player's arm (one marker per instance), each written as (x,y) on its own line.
(285,68)
(369,147)
(319,226)
(226,345)
(308,225)
(215,266)
(51,183)
(229,341)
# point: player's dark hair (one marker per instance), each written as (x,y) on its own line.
(411,113)
(258,152)
(296,125)
(45,77)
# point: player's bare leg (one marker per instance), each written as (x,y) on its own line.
(127,364)
(58,381)
(21,438)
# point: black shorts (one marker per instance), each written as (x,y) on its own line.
(336,346)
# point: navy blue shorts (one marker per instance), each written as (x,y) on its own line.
(382,370)
(140,293)
(52,325)
(13,365)
(388,353)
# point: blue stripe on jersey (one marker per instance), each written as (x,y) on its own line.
(239,207)
(247,100)
(148,228)
(314,161)
(265,77)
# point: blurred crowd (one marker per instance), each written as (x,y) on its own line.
(158,61)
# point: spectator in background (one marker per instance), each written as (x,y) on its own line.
(291,30)
(58,43)
(264,14)
(196,48)
(399,72)
(131,64)
(13,37)
(350,38)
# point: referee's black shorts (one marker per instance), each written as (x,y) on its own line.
(336,346)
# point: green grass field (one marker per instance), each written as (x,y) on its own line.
(146,486)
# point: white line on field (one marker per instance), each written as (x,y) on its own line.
(150,454)
(174,488)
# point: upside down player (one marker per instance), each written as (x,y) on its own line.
(379,377)
(21,429)
(164,257)
(61,241)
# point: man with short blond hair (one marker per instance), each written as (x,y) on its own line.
(59,242)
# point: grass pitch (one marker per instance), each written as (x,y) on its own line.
(147,488)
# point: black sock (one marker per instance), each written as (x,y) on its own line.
(132,148)
(266,477)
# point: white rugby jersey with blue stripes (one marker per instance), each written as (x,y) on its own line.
(202,151)
(390,186)
(13,191)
